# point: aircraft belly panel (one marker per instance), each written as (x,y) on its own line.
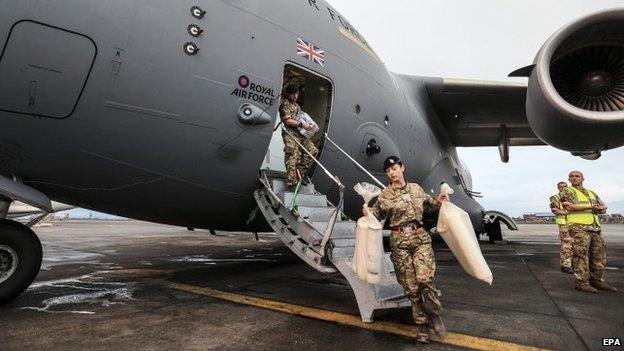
(44,69)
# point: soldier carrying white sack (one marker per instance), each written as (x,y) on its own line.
(412,253)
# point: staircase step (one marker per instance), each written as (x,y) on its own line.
(345,251)
(315,213)
(389,292)
(280,187)
(300,241)
(305,200)
(307,232)
(342,230)
(302,231)
(344,243)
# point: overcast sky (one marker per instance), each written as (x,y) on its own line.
(487,40)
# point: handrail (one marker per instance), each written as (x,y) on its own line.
(356,162)
(328,173)
(265,181)
(332,219)
(462,182)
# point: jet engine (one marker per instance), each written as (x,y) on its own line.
(575,96)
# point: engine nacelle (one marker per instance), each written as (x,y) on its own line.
(575,97)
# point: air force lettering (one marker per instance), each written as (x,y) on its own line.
(249,90)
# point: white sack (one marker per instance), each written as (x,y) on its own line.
(456,229)
(375,251)
(304,117)
(367,191)
(360,256)
(369,253)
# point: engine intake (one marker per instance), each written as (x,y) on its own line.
(575,97)
(591,77)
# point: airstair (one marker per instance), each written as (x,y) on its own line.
(323,237)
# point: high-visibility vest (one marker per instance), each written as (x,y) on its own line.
(588,216)
(559,219)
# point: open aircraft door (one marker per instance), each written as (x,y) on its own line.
(315,98)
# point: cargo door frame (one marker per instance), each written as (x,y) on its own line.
(328,111)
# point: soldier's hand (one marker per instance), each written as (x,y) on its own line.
(365,210)
(443,197)
(599,208)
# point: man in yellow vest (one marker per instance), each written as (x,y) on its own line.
(589,253)
(566,240)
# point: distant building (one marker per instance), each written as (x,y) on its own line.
(613,218)
(547,217)
(616,218)
(540,217)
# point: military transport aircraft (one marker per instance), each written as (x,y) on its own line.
(133,107)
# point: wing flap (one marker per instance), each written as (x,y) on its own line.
(482,113)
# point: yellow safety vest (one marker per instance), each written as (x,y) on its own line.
(588,216)
(559,219)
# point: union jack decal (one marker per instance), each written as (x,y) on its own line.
(310,51)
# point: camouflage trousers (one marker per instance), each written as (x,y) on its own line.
(414,266)
(566,246)
(589,254)
(298,162)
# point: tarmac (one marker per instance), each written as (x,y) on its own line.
(128,285)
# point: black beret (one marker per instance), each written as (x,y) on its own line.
(391,161)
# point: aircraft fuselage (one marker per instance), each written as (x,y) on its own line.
(109,105)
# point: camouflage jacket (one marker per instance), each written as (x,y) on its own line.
(555,203)
(404,205)
(567,195)
(288,110)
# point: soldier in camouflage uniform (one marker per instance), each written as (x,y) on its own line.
(566,240)
(297,161)
(412,254)
(589,253)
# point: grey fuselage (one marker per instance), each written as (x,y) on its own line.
(121,120)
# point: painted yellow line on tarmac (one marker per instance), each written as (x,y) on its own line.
(456,339)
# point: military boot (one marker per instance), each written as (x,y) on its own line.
(422,333)
(436,323)
(602,286)
(586,288)
(567,270)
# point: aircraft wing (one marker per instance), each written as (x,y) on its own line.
(482,113)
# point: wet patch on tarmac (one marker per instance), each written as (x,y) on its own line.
(103,296)
(99,288)
(110,290)
(55,256)
(206,259)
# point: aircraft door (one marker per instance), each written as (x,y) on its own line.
(315,99)
(44,69)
